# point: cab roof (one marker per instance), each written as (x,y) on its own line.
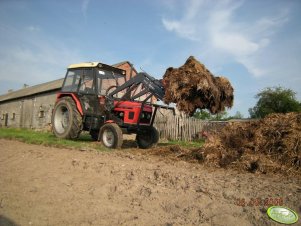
(99,65)
(85,64)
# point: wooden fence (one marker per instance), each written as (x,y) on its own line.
(174,127)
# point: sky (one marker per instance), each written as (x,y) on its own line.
(255,44)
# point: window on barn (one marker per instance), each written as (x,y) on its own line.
(41,114)
(13,117)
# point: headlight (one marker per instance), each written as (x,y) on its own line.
(142,115)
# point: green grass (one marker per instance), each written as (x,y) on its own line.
(48,139)
(84,142)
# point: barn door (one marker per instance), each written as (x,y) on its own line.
(27,113)
(6,120)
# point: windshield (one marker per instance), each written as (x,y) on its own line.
(71,81)
(106,80)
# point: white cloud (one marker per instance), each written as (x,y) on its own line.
(216,28)
(226,37)
(183,27)
(252,66)
(185,31)
(233,43)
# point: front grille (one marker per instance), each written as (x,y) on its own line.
(145,117)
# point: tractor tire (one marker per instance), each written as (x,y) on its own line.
(111,135)
(94,134)
(147,138)
(66,120)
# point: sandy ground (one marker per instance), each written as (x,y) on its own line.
(50,186)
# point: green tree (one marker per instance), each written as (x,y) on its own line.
(275,100)
(238,115)
(202,114)
(222,116)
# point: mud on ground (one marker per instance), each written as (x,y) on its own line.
(50,186)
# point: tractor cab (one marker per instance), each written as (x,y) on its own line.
(92,78)
(90,83)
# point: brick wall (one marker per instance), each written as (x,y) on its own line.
(127,67)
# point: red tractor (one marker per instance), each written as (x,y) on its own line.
(95,98)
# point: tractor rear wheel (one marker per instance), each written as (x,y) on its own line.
(147,138)
(66,120)
(111,135)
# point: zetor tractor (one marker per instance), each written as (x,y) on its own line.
(95,98)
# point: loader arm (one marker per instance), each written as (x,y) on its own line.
(149,85)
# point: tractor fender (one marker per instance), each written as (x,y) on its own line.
(75,99)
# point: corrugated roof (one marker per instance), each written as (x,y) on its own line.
(53,85)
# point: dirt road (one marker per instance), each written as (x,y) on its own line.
(50,186)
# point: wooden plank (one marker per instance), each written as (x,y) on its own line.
(176,126)
(190,132)
(186,129)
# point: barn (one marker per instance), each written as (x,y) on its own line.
(31,107)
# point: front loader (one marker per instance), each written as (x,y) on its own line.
(95,98)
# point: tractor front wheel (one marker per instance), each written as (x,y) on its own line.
(66,120)
(111,135)
(147,138)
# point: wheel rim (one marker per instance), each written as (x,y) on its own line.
(61,119)
(108,138)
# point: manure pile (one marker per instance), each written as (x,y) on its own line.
(193,86)
(269,144)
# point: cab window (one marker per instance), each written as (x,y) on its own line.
(87,83)
(108,81)
(72,81)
